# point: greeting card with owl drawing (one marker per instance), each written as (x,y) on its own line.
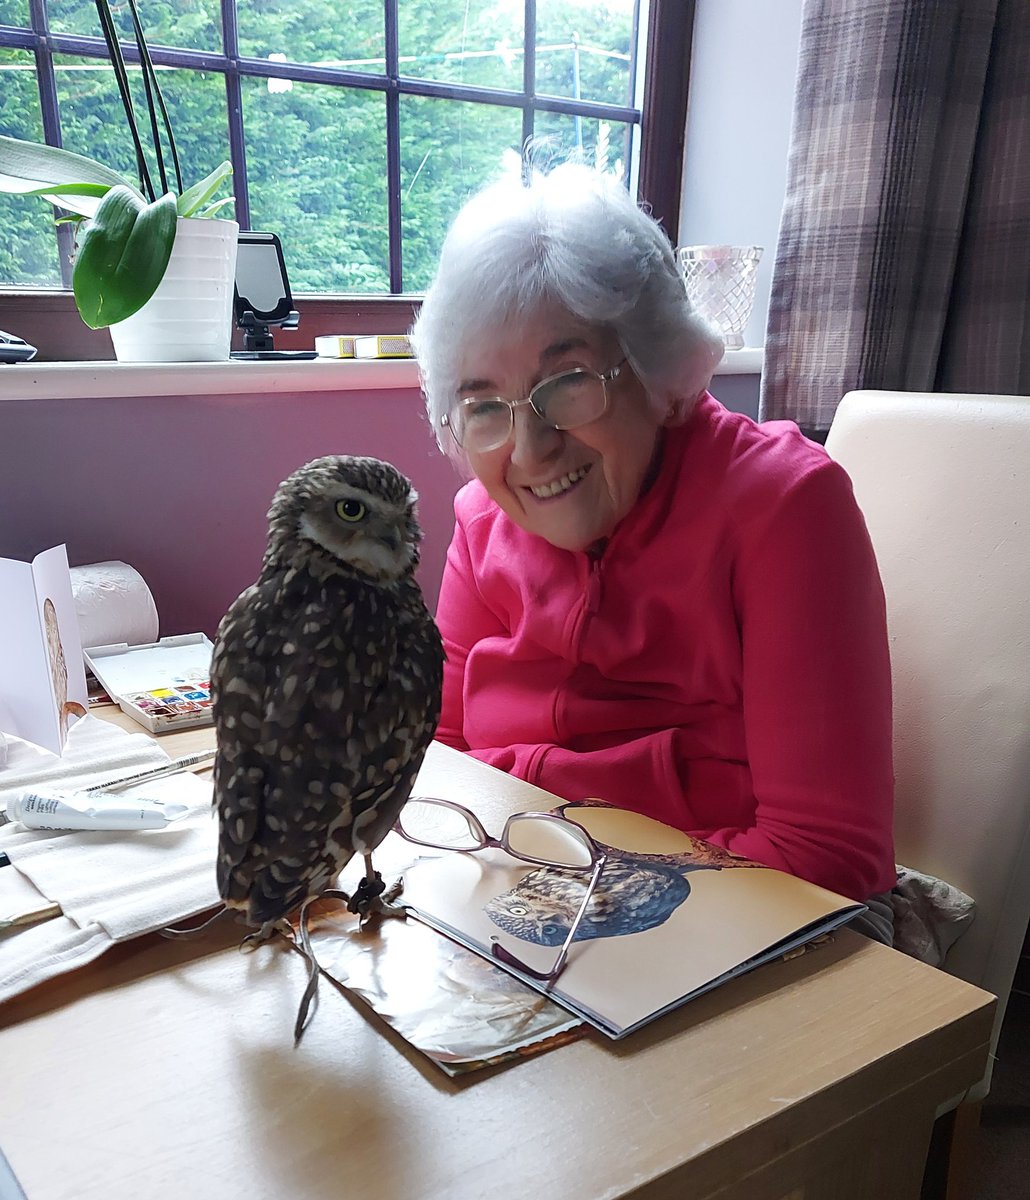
(42,676)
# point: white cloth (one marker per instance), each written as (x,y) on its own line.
(96,750)
(111,885)
(32,955)
(127,882)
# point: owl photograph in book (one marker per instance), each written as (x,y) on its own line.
(326,682)
(637,891)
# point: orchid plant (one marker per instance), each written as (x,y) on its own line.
(127,230)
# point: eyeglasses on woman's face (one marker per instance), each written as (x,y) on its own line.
(567,400)
(544,839)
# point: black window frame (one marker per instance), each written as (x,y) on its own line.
(659,122)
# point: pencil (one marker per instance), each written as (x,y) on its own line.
(172,767)
(30,916)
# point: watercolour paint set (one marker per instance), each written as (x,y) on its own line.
(163,685)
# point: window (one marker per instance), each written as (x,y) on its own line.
(355,129)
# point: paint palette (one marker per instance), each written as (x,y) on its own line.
(163,685)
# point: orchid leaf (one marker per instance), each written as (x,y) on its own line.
(69,189)
(216,207)
(29,166)
(123,256)
(197,195)
(81,199)
(65,179)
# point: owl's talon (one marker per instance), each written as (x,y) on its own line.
(382,910)
(372,898)
(386,907)
(366,895)
(265,934)
(393,891)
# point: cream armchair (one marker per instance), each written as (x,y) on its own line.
(944,483)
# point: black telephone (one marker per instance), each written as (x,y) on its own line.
(14,349)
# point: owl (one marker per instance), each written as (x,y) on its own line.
(66,709)
(632,895)
(326,681)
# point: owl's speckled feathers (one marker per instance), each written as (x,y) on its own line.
(326,685)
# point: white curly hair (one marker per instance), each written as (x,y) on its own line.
(574,237)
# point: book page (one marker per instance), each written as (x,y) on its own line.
(661,927)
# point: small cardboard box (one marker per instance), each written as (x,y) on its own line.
(394,345)
(163,685)
(334,346)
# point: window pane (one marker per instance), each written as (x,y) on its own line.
(583,49)
(316,164)
(449,149)
(93,122)
(28,248)
(321,32)
(191,24)
(604,145)
(14,12)
(478,42)
(197,109)
(74,16)
(316,153)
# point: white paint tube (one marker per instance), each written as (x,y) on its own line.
(77,810)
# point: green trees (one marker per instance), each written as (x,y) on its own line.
(28,249)
(316,153)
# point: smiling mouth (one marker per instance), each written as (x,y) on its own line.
(559,487)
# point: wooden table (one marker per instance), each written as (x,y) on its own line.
(167,1070)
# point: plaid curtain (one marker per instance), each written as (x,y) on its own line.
(903,259)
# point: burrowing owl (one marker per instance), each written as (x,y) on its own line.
(326,684)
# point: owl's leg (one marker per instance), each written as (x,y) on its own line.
(266,933)
(372,897)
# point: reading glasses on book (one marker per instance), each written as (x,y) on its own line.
(563,401)
(544,839)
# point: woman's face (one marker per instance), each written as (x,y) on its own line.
(596,471)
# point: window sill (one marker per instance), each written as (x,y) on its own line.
(52,381)
(77,380)
(747,360)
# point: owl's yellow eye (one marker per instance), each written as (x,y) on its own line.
(350,510)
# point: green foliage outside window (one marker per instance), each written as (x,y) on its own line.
(28,249)
(316,159)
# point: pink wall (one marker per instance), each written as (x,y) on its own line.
(178,486)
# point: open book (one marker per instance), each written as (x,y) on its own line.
(672,916)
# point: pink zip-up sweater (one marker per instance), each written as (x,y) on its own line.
(722,666)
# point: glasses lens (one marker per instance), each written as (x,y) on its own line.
(629,831)
(433,824)
(571,399)
(547,840)
(481,424)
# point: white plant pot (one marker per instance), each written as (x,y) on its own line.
(189,317)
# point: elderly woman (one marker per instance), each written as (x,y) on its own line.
(648,598)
